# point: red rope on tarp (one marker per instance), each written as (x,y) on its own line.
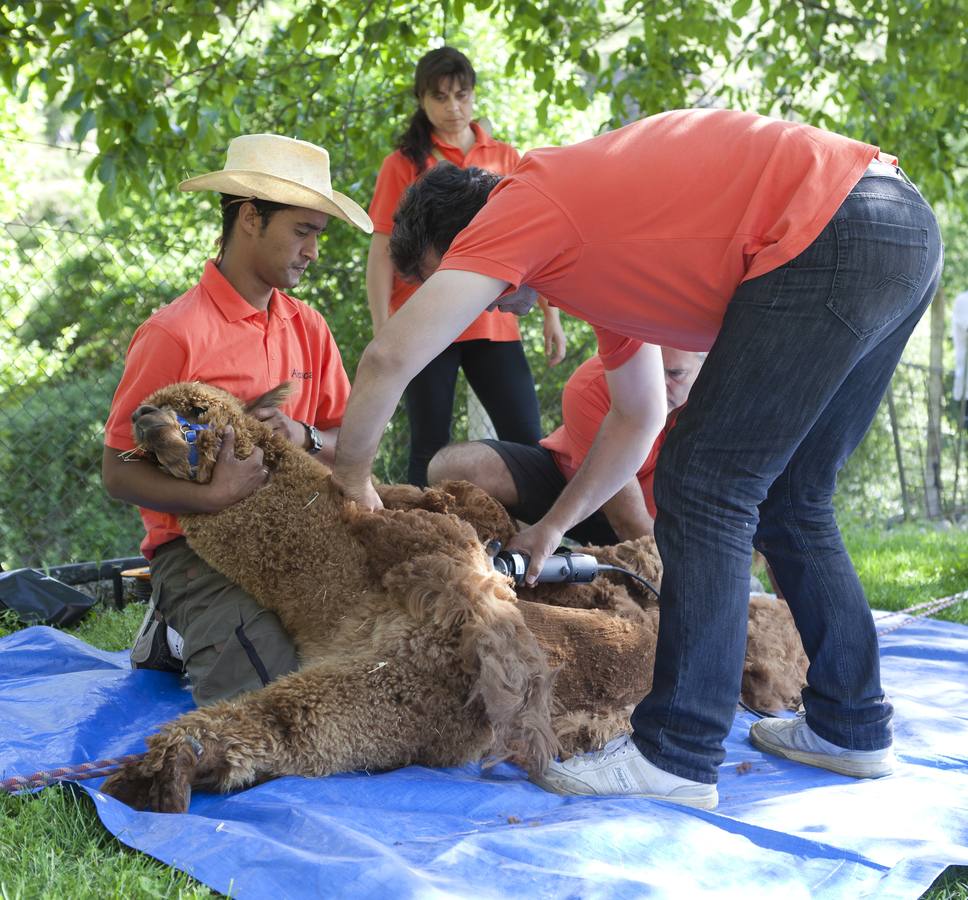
(80,772)
(920,610)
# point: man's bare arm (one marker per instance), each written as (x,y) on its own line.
(636,415)
(142,483)
(430,320)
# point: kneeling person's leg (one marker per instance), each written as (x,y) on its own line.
(478,462)
(231,643)
(524,477)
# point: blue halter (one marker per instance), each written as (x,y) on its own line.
(189,432)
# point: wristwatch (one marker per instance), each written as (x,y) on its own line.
(315,439)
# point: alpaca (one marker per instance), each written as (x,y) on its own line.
(412,648)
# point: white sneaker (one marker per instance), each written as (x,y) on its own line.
(620,769)
(795,739)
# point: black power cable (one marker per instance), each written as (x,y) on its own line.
(605,568)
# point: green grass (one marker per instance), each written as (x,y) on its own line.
(911,563)
(52,844)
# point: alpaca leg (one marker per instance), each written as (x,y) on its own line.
(408,496)
(460,498)
(176,761)
(315,722)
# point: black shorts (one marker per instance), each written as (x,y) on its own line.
(539,482)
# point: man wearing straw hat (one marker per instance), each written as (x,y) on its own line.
(238,330)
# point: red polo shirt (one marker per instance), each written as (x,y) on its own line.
(647,231)
(212,334)
(397,174)
(585,401)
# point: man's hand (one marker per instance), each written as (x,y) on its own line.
(359,489)
(280,423)
(234,479)
(538,542)
(438,312)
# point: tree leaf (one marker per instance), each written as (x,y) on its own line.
(84,124)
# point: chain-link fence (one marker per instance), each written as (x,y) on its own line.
(70,300)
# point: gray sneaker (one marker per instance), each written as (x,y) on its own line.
(152,647)
(619,769)
(795,739)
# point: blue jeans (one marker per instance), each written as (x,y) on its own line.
(788,391)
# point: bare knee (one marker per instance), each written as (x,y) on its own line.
(477,463)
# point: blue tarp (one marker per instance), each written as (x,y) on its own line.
(781,829)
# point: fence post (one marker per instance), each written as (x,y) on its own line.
(892,414)
(932,462)
(961,413)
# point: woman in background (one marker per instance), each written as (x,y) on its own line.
(489,351)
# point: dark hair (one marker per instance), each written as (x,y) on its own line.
(230,212)
(435,208)
(432,68)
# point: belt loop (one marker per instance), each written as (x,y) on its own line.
(903,175)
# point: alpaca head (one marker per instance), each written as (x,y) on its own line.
(181,426)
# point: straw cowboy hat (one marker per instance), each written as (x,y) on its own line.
(283,170)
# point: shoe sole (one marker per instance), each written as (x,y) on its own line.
(707,803)
(855,769)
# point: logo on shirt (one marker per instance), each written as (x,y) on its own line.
(295,373)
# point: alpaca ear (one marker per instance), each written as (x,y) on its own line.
(275,397)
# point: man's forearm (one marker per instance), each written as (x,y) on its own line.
(376,391)
(141,483)
(436,314)
(327,452)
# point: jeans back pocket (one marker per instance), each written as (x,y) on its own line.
(880,273)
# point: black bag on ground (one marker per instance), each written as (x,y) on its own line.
(39,599)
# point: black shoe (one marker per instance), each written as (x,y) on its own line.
(150,649)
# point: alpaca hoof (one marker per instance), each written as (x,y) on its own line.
(130,787)
(166,788)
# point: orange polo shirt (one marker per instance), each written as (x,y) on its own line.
(397,174)
(212,334)
(585,401)
(647,231)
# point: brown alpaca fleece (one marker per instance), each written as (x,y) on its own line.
(616,644)
(775,669)
(412,649)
